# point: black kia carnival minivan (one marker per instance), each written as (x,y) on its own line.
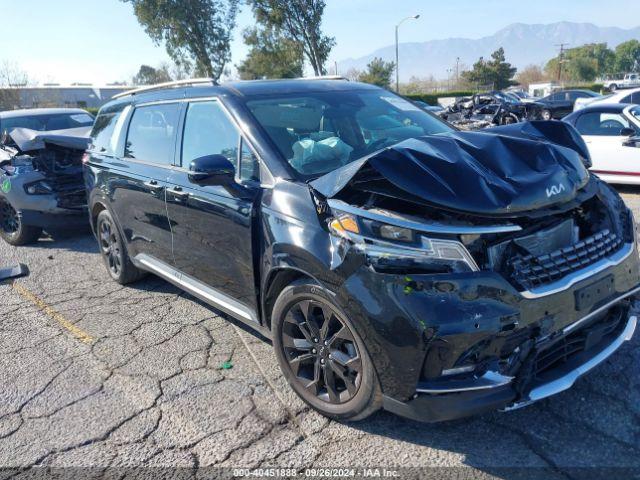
(394,261)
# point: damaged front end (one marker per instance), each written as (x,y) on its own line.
(41,176)
(488,110)
(508,268)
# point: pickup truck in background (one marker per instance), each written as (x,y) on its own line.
(630,80)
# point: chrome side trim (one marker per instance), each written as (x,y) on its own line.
(427,227)
(599,310)
(575,277)
(195,287)
(489,380)
(565,382)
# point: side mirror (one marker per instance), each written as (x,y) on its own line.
(212,170)
(627,132)
(632,142)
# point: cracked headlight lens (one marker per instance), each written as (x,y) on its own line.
(392,246)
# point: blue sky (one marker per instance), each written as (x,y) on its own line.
(101,41)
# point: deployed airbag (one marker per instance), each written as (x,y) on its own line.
(499,171)
(330,150)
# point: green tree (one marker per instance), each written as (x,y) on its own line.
(148,75)
(497,71)
(582,64)
(196,33)
(627,57)
(270,56)
(378,73)
(299,21)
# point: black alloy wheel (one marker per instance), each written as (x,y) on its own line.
(9,219)
(110,247)
(321,351)
(12,229)
(114,251)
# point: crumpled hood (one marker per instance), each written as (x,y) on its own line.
(503,170)
(29,140)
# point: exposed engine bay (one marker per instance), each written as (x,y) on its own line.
(35,166)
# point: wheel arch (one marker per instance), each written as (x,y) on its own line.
(275,282)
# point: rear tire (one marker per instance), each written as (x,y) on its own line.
(322,356)
(114,252)
(613,87)
(12,229)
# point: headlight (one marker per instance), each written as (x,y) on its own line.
(394,247)
(41,187)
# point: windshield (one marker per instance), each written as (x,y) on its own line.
(319,132)
(44,123)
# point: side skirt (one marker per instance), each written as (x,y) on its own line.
(200,290)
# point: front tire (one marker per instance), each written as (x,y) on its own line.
(322,356)
(12,229)
(114,252)
(613,87)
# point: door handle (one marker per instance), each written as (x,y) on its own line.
(153,186)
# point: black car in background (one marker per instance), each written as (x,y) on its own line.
(393,261)
(560,104)
(41,185)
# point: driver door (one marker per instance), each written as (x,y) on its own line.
(601,132)
(212,225)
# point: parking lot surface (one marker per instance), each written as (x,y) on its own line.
(93,374)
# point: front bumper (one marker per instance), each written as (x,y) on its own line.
(55,218)
(410,322)
(482,396)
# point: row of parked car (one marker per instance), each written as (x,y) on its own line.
(394,261)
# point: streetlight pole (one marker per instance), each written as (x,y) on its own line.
(413,17)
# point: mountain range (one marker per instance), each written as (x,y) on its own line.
(524,44)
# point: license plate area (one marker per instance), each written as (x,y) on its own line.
(588,296)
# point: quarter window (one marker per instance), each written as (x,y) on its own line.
(102,134)
(208,131)
(249,164)
(152,133)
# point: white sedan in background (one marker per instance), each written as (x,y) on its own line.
(621,96)
(612,134)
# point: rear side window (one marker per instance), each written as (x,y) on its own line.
(152,133)
(208,131)
(102,135)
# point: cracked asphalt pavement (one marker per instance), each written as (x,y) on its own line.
(93,374)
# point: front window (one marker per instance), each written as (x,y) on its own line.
(208,131)
(45,123)
(318,132)
(602,124)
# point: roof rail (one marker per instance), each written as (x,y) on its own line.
(162,86)
(324,77)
